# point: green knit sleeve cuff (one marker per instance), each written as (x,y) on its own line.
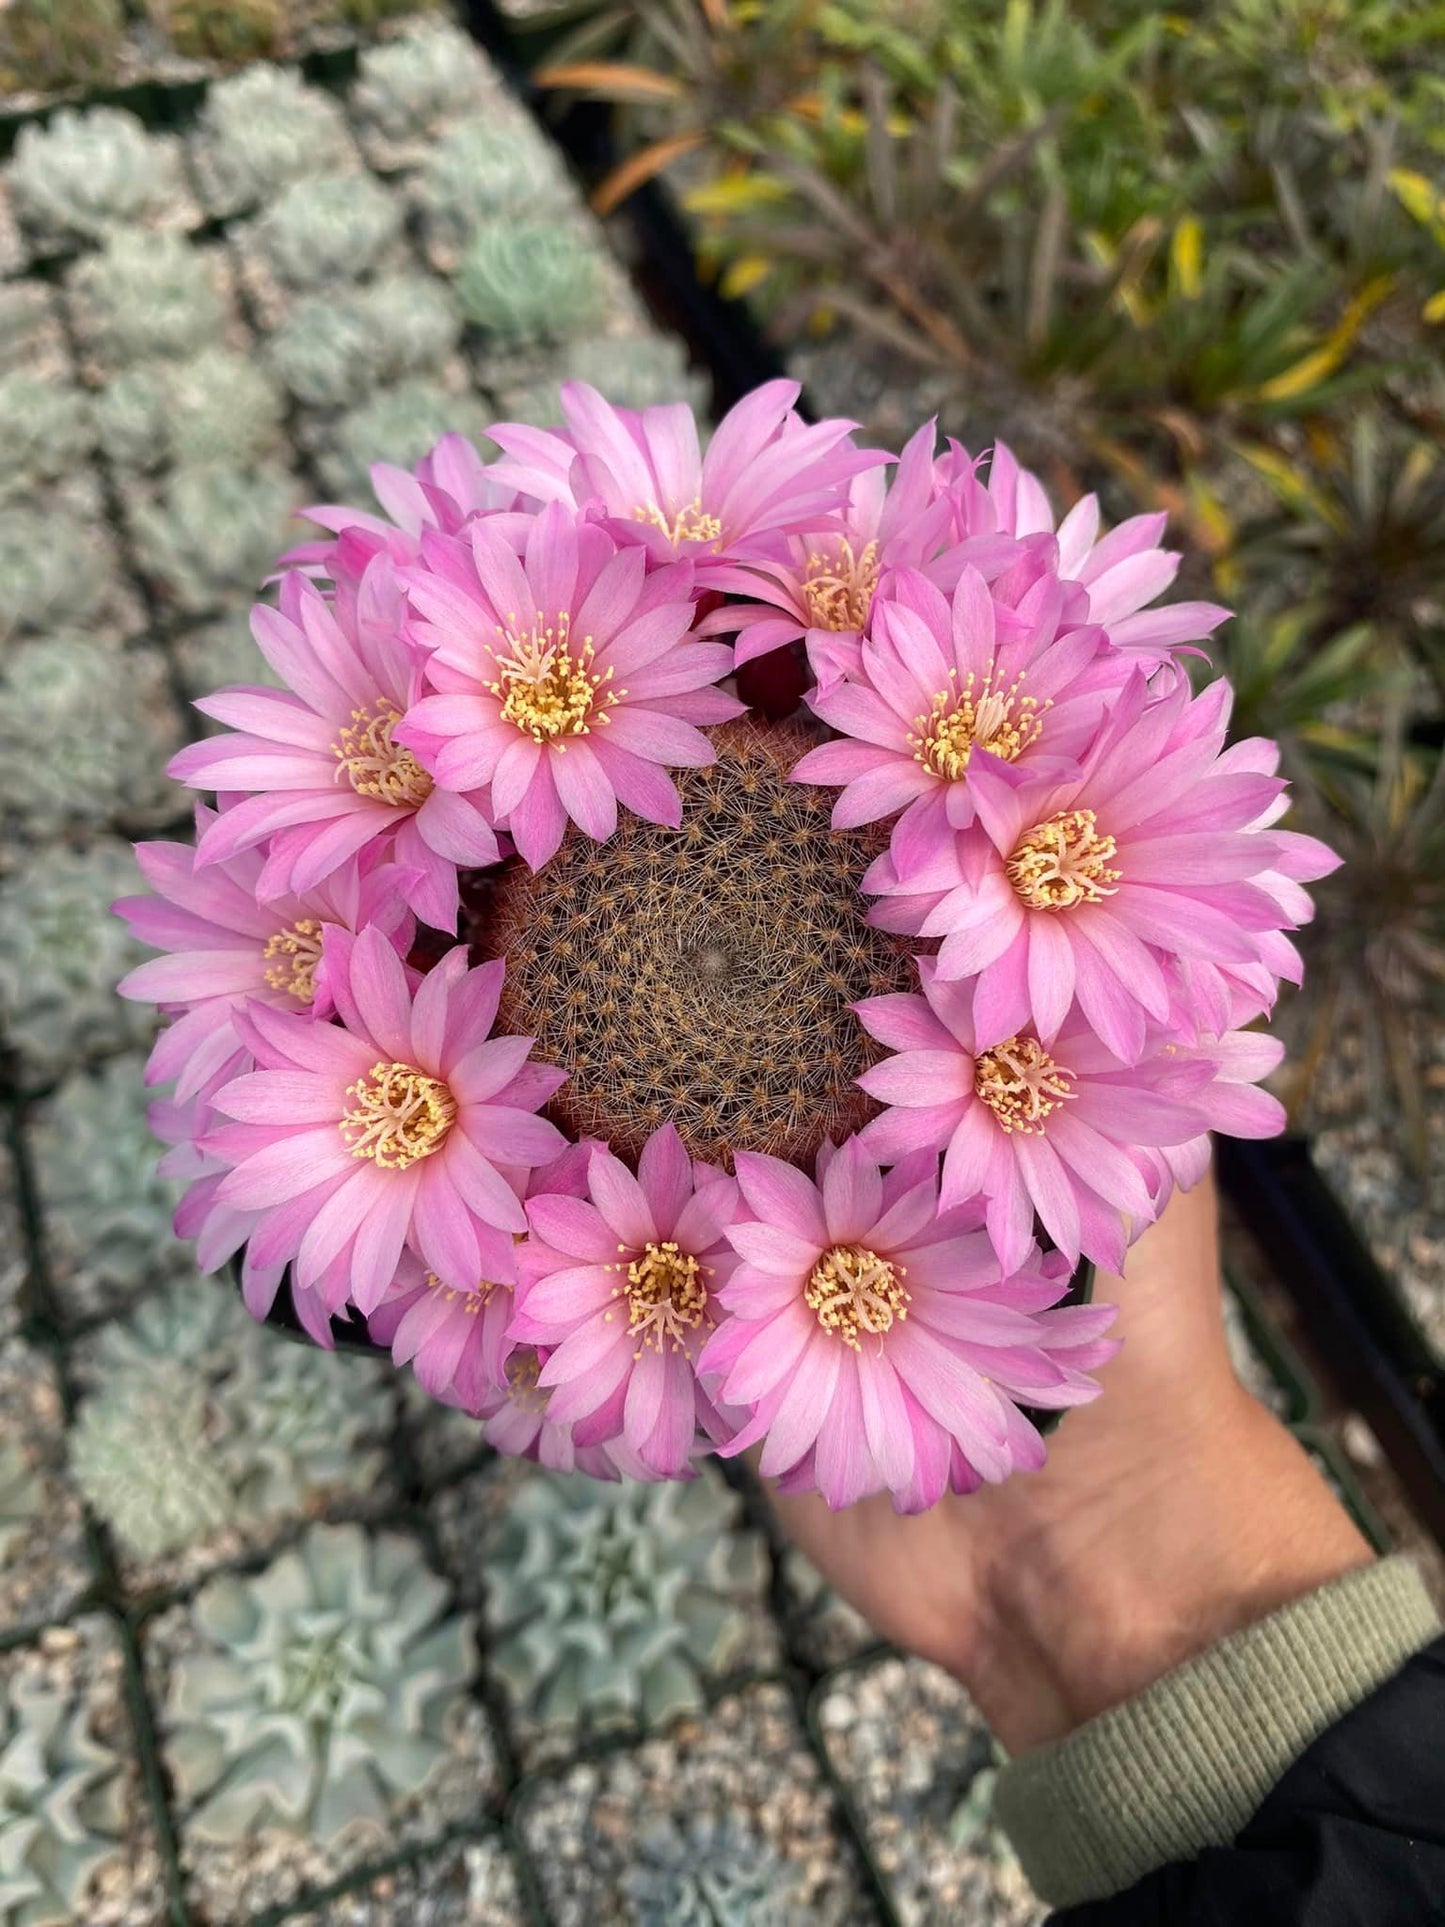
(1184,1764)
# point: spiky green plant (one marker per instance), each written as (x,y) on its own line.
(530,281)
(21,1498)
(218,408)
(214,531)
(55,572)
(48,44)
(303,1422)
(230,30)
(397,425)
(194,1323)
(706,1872)
(46,430)
(108,725)
(325,233)
(62,954)
(61,1805)
(148,295)
(321,1692)
(334,350)
(410,87)
(83,175)
(107,1211)
(612,1602)
(260,130)
(144,1459)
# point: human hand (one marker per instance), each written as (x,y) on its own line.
(1172,1511)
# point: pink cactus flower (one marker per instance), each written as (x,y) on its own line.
(1122,571)
(765,474)
(1033,1129)
(947,687)
(224,945)
(1075,892)
(455,1337)
(316,772)
(564,679)
(876,1343)
(386,1131)
(620,1291)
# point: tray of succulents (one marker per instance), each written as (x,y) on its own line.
(654,1077)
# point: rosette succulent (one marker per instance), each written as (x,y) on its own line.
(46,428)
(148,295)
(55,572)
(60,1805)
(217,408)
(709,1872)
(612,1602)
(144,1458)
(318,233)
(106,719)
(62,955)
(260,130)
(530,280)
(334,350)
(414,84)
(320,1692)
(636,371)
(83,175)
(397,423)
(492,166)
(213,530)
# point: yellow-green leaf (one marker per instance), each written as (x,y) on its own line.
(741,276)
(1186,257)
(1434,309)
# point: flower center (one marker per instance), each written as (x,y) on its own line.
(401,1115)
(546,690)
(852,1289)
(473,1299)
(376,766)
(666,1296)
(296,951)
(839,589)
(1063,861)
(1021,1084)
(523,1368)
(999,720)
(690,524)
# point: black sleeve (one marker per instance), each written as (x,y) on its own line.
(1352,1836)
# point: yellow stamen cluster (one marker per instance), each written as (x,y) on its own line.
(1001,721)
(852,1290)
(1063,861)
(838,589)
(1021,1084)
(547,691)
(376,766)
(666,1296)
(474,1299)
(297,952)
(523,1368)
(401,1115)
(690,524)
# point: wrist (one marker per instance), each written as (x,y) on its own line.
(1081,1611)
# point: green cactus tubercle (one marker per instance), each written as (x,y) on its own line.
(321,1693)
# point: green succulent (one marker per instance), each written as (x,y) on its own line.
(108,1211)
(262,1428)
(611,1602)
(61,956)
(634,372)
(217,408)
(83,175)
(489,167)
(530,280)
(31,341)
(706,1872)
(108,725)
(214,532)
(48,44)
(148,295)
(45,429)
(55,572)
(144,1459)
(219,654)
(21,1498)
(319,233)
(398,425)
(222,29)
(260,130)
(334,350)
(414,84)
(321,1694)
(61,1811)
